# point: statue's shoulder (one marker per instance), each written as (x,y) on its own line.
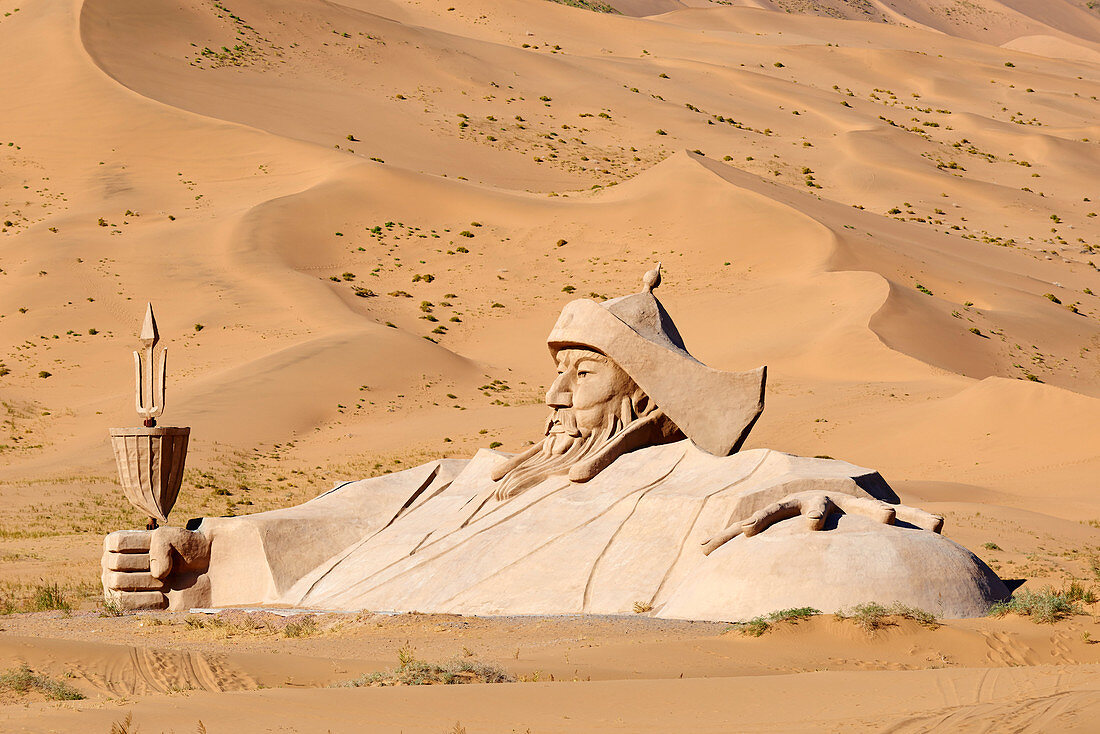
(694,472)
(395,486)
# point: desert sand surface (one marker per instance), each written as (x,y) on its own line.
(357,222)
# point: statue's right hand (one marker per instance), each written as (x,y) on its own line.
(138,564)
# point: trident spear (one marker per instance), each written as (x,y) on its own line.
(150,459)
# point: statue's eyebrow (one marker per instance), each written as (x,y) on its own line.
(597,360)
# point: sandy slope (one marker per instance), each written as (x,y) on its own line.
(578,675)
(876,210)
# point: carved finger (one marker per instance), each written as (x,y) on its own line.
(920,518)
(875,509)
(758,521)
(177,549)
(131,581)
(763,519)
(815,508)
(127,541)
(160,554)
(712,544)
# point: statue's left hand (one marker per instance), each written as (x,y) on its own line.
(816,506)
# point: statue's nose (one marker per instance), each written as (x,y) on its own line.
(558,396)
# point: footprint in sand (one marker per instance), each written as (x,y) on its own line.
(1004,651)
(138,671)
(1059,649)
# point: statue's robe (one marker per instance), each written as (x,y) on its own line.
(434,539)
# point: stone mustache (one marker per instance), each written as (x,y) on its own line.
(638,494)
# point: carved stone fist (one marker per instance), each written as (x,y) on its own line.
(816,506)
(140,567)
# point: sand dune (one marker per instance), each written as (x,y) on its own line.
(597,674)
(358,220)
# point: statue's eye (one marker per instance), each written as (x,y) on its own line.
(582,373)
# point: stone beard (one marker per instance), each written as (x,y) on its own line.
(597,413)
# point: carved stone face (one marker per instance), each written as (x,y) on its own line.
(597,413)
(586,396)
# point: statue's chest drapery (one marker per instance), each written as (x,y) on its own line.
(595,547)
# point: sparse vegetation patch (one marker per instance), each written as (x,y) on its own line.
(413,672)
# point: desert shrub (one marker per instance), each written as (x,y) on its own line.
(920,616)
(111,608)
(25,680)
(1077,592)
(991,546)
(123,725)
(303,627)
(1046,606)
(873,616)
(870,616)
(757,626)
(48,597)
(413,672)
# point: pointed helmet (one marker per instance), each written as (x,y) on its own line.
(714,408)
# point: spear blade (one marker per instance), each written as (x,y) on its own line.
(149,334)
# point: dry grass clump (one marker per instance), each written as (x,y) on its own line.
(232,623)
(873,616)
(1046,606)
(42,597)
(300,627)
(757,626)
(24,680)
(413,672)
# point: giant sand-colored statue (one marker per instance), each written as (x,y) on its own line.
(637,494)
